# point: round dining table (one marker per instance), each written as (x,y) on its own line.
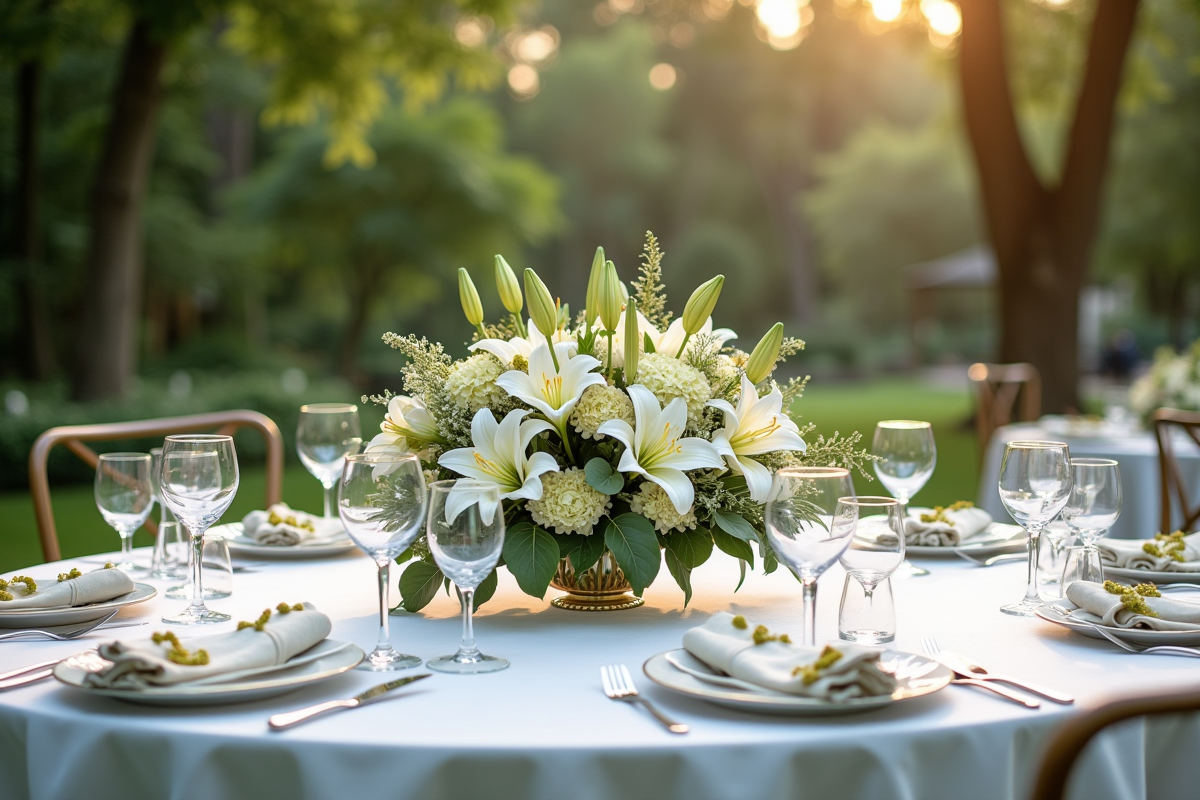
(544,729)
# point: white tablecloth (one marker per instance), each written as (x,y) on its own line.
(1137,453)
(544,729)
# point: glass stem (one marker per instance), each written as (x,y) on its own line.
(810,611)
(385,640)
(467,648)
(197,565)
(1031,588)
(328,502)
(127,547)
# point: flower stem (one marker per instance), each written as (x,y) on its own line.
(482,332)
(686,336)
(562,434)
(553,355)
(610,335)
(521,331)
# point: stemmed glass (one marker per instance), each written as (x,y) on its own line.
(125,498)
(466,544)
(908,454)
(198,481)
(381,501)
(809,526)
(325,435)
(1035,483)
(1092,508)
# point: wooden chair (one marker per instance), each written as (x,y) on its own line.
(1068,742)
(74,436)
(1173,483)
(1004,393)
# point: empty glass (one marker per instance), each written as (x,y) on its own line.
(325,435)
(908,454)
(381,501)
(867,617)
(1035,482)
(165,563)
(1081,564)
(466,545)
(125,498)
(217,567)
(1091,510)
(199,481)
(874,552)
(809,526)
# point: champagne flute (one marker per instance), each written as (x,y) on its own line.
(125,498)
(466,534)
(199,480)
(381,501)
(908,454)
(874,553)
(1092,508)
(809,526)
(325,435)
(1035,484)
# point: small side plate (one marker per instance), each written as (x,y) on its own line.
(1131,635)
(50,617)
(242,546)
(1144,575)
(993,540)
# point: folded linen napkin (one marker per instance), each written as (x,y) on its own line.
(143,663)
(88,588)
(1105,608)
(944,527)
(747,651)
(282,526)
(1134,553)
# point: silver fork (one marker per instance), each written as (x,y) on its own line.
(618,685)
(989,562)
(1160,649)
(929,645)
(61,637)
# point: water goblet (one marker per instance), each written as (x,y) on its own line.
(466,534)
(1035,483)
(125,498)
(908,455)
(809,526)
(199,480)
(1091,510)
(381,502)
(874,553)
(325,435)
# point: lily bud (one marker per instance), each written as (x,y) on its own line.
(507,285)
(609,297)
(469,297)
(624,292)
(701,304)
(541,304)
(766,353)
(633,341)
(591,302)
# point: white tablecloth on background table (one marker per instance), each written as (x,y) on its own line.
(1137,453)
(544,729)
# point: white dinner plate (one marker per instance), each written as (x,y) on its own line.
(1131,635)
(1144,575)
(49,617)
(242,546)
(318,663)
(918,677)
(995,539)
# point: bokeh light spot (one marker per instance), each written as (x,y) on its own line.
(663,76)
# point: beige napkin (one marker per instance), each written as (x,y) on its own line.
(963,524)
(1128,554)
(1107,609)
(91,587)
(257,525)
(772,665)
(142,664)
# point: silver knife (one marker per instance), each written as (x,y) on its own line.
(372,695)
(966,669)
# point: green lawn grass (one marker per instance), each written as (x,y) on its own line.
(839,407)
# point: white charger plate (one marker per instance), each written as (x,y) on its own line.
(243,546)
(50,617)
(1131,635)
(918,675)
(995,539)
(320,662)
(1144,575)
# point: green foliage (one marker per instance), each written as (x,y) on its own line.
(583,551)
(532,556)
(634,545)
(684,551)
(602,477)
(735,526)
(418,585)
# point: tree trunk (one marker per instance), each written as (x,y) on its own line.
(1042,236)
(106,348)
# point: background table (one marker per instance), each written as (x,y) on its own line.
(544,729)
(1137,453)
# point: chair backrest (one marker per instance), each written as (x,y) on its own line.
(1174,486)
(1004,393)
(1067,742)
(73,437)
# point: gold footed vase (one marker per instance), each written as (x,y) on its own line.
(601,588)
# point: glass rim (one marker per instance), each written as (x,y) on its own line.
(871,500)
(198,438)
(447,484)
(1034,444)
(327,408)
(903,424)
(382,455)
(1092,461)
(124,456)
(814,472)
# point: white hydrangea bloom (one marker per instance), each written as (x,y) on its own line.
(472,383)
(654,504)
(568,504)
(599,404)
(669,378)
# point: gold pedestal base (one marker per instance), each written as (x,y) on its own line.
(575,603)
(601,588)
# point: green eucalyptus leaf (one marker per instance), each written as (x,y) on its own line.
(691,547)
(601,477)
(631,539)
(405,556)
(483,592)
(742,578)
(583,551)
(418,585)
(733,546)
(735,525)
(681,574)
(532,557)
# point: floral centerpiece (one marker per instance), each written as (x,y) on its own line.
(1173,381)
(619,438)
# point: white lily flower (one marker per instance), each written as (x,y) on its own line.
(497,459)
(508,349)
(553,392)
(654,449)
(407,427)
(758,425)
(644,327)
(670,340)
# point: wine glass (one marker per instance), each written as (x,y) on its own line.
(1092,508)
(874,553)
(199,480)
(466,543)
(908,455)
(381,501)
(325,435)
(125,498)
(809,526)
(1035,483)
